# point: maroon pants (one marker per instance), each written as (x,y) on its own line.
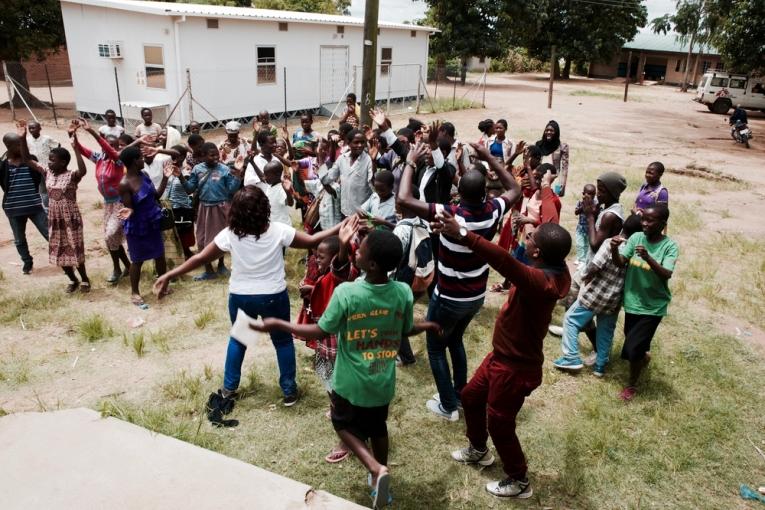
(491,401)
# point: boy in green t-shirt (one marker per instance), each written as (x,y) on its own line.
(651,257)
(369,318)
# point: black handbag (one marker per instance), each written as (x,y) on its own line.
(167,222)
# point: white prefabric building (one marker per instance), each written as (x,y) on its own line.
(237,60)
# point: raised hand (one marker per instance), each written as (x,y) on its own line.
(520,147)
(348,229)
(84,124)
(287,185)
(416,152)
(378,116)
(548,178)
(148,151)
(285,132)
(239,162)
(433,132)
(171,170)
(21,127)
(481,152)
(589,207)
(616,241)
(72,127)
(447,224)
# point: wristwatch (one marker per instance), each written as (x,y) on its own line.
(463,232)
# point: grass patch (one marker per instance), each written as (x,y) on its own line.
(607,95)
(94,328)
(137,341)
(204,318)
(98,205)
(160,339)
(28,304)
(445,104)
(15,370)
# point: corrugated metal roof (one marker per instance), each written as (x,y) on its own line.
(220,11)
(648,40)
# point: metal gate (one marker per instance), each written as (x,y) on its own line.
(334,80)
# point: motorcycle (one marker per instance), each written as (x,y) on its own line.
(741,133)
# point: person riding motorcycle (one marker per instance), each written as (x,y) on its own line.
(738,117)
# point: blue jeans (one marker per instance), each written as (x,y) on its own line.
(453,317)
(262,305)
(582,244)
(577,317)
(19,229)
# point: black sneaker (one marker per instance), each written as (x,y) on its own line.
(290,400)
(215,410)
(27,267)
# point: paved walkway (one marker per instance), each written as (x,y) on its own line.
(76,459)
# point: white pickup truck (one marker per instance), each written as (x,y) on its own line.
(721,91)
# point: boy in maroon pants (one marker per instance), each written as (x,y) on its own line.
(508,374)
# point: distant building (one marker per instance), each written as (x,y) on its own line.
(237,60)
(55,62)
(478,63)
(658,57)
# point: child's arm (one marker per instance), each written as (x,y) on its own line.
(167,171)
(107,149)
(422,326)
(661,271)
(81,168)
(347,230)
(405,196)
(287,186)
(302,331)
(548,212)
(578,208)
(619,259)
(303,240)
(210,253)
(513,192)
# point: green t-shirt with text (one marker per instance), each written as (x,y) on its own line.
(369,321)
(645,293)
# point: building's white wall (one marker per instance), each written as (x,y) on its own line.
(93,76)
(475,64)
(223,63)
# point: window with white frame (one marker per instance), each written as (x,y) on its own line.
(386,59)
(266,64)
(154,63)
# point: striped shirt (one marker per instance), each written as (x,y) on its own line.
(22,197)
(461,275)
(177,195)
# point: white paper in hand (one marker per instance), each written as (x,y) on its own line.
(241,330)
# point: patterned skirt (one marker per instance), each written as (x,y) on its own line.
(113,232)
(66,242)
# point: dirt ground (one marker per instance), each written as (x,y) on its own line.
(54,368)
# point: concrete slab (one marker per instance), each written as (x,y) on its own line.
(74,459)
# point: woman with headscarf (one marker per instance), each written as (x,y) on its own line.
(556,152)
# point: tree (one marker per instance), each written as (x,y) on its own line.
(581,31)
(28,28)
(467,28)
(322,6)
(693,23)
(741,35)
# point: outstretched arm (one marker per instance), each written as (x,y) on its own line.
(210,253)
(303,240)
(513,190)
(81,168)
(304,331)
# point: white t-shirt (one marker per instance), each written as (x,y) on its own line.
(156,168)
(277,197)
(257,265)
(115,131)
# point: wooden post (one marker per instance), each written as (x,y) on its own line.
(483,95)
(191,96)
(369,62)
(119,99)
(552,78)
(627,81)
(454,92)
(419,81)
(50,91)
(10,90)
(285,96)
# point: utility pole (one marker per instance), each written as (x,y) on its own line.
(627,80)
(552,78)
(369,62)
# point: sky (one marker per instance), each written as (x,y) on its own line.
(398,11)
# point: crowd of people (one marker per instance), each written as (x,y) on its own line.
(387,217)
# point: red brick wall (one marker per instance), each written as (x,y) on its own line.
(58,69)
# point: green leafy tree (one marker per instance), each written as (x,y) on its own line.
(580,31)
(28,28)
(740,37)
(467,28)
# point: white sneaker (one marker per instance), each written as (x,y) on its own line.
(555,330)
(437,398)
(437,409)
(509,488)
(470,455)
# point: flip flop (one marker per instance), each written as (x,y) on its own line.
(336,456)
(85,287)
(382,492)
(205,276)
(72,287)
(497,287)
(140,303)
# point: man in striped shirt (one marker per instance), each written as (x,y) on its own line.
(461,277)
(21,196)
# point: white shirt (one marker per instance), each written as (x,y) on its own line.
(277,197)
(257,265)
(156,168)
(40,147)
(250,175)
(115,131)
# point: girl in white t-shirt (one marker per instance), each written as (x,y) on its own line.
(257,286)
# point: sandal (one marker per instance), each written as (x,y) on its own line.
(337,455)
(114,278)
(85,287)
(72,287)
(139,302)
(497,287)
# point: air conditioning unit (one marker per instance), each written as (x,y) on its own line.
(110,49)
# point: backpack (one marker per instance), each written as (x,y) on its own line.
(417,267)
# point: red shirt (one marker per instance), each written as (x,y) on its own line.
(522,322)
(109,169)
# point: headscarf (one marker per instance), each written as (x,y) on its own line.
(550,146)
